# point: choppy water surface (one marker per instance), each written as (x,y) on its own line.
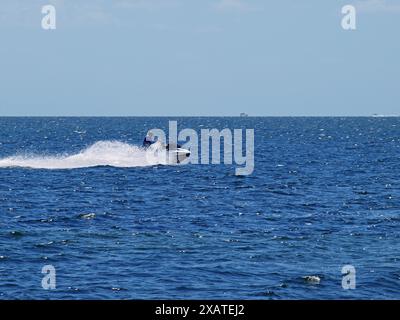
(76,194)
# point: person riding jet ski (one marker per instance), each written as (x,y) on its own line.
(149,140)
(172,152)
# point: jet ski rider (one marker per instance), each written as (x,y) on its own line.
(149,140)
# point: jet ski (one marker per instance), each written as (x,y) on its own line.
(170,154)
(176,154)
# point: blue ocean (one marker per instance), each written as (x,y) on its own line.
(75,194)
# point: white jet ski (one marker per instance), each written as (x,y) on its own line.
(170,154)
(177,154)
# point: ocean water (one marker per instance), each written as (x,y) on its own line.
(75,193)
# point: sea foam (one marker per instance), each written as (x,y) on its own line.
(101,153)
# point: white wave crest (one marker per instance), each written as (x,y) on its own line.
(102,153)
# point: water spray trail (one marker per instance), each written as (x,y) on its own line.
(102,153)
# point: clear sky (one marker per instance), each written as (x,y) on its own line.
(199,57)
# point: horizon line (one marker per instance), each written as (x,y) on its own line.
(202,116)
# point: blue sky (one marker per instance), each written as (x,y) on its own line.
(199,57)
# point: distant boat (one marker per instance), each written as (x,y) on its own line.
(376,115)
(243,115)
